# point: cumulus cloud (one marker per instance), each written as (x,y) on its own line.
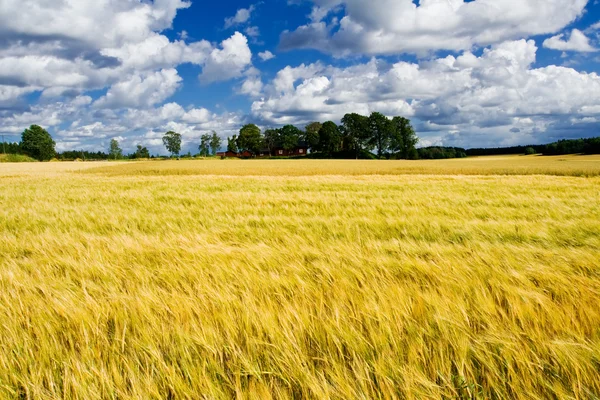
(241,16)
(252,85)
(266,55)
(228,62)
(252,31)
(396,26)
(78,124)
(141,90)
(64,49)
(67,47)
(577,42)
(76,21)
(466,100)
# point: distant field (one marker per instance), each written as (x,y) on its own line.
(476,278)
(507,165)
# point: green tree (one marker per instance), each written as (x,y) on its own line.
(272,139)
(172,141)
(115,151)
(405,138)
(356,132)
(37,143)
(204,145)
(311,135)
(290,136)
(250,139)
(330,138)
(381,129)
(232,144)
(529,151)
(142,152)
(215,143)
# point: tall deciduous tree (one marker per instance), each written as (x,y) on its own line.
(381,132)
(311,135)
(115,150)
(204,145)
(330,138)
(406,138)
(172,141)
(250,139)
(290,136)
(142,152)
(232,144)
(272,139)
(356,132)
(37,143)
(215,143)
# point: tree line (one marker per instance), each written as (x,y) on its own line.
(561,147)
(355,137)
(38,144)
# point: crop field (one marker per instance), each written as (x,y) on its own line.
(218,279)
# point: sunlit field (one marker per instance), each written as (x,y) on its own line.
(471,279)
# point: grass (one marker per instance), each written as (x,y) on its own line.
(191,280)
(15,158)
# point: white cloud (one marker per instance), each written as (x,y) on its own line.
(10,94)
(67,47)
(95,23)
(266,55)
(395,26)
(156,51)
(253,85)
(577,42)
(228,62)
(242,16)
(141,90)
(89,128)
(477,99)
(252,31)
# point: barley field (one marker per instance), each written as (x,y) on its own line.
(458,279)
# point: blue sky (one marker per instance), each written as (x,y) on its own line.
(467,73)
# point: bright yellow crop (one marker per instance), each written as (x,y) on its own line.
(301,279)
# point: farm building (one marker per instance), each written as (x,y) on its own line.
(298,151)
(276,152)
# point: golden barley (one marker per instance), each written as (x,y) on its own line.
(475,278)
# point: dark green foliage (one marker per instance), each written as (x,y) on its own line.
(114,150)
(232,144)
(343,155)
(11,148)
(204,145)
(250,139)
(330,138)
(404,138)
(287,138)
(290,137)
(172,142)
(503,150)
(573,146)
(71,155)
(37,143)
(215,143)
(438,153)
(567,146)
(140,152)
(356,133)
(380,132)
(272,139)
(311,135)
(529,151)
